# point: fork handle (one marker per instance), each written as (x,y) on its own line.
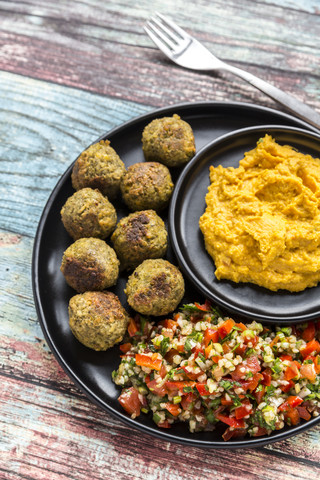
(295,106)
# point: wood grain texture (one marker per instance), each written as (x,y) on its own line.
(72,70)
(91,46)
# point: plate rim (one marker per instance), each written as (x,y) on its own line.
(86,390)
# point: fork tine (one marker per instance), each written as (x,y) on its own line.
(165,29)
(174,26)
(158,42)
(160,35)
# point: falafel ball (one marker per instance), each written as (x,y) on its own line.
(168,140)
(87,213)
(139,236)
(90,264)
(97,319)
(155,287)
(99,166)
(147,185)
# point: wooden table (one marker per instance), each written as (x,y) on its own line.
(70,71)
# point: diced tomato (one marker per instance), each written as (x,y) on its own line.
(309,333)
(129,400)
(251,364)
(267,376)
(291,402)
(291,371)
(164,424)
(231,421)
(132,327)
(287,388)
(261,431)
(188,400)
(170,354)
(285,357)
(303,412)
(202,389)
(173,408)
(168,323)
(308,371)
(210,335)
(197,350)
(191,375)
(293,415)
(125,347)
(259,394)
(230,433)
(156,388)
(226,327)
(312,346)
(241,349)
(174,387)
(150,362)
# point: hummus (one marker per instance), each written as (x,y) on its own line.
(262,220)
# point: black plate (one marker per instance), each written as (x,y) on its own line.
(91,371)
(188,204)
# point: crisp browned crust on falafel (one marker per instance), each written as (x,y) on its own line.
(156,287)
(90,264)
(99,166)
(139,236)
(147,185)
(87,213)
(97,319)
(169,140)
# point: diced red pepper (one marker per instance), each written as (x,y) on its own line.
(309,333)
(267,376)
(202,389)
(316,361)
(168,323)
(242,326)
(291,402)
(287,388)
(244,410)
(129,400)
(173,408)
(293,415)
(206,307)
(149,362)
(227,402)
(285,357)
(164,424)
(226,327)
(210,335)
(132,327)
(174,387)
(312,346)
(291,371)
(259,394)
(231,421)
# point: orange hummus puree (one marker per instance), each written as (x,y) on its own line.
(262,220)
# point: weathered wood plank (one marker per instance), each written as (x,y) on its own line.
(108,53)
(43,128)
(68,439)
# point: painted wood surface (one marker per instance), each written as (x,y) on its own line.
(69,72)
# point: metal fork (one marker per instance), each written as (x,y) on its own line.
(188,52)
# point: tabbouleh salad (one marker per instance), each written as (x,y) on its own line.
(202,368)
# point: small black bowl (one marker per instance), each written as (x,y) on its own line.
(188,204)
